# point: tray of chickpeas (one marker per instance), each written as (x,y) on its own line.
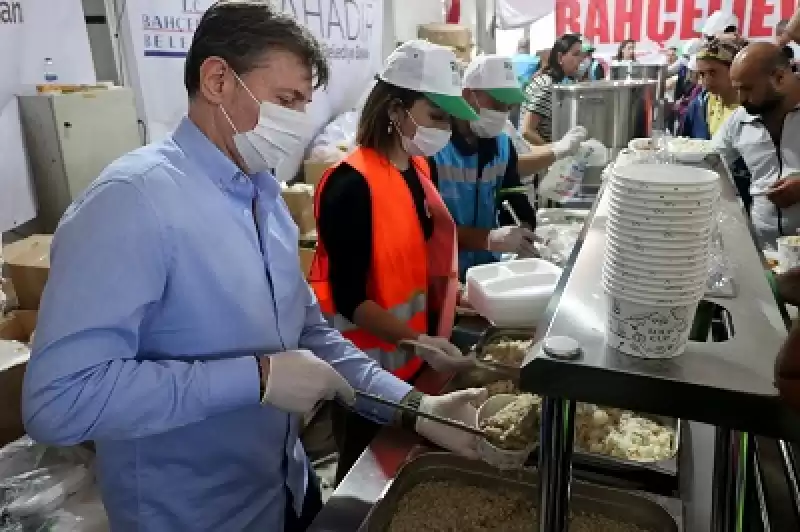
(607,440)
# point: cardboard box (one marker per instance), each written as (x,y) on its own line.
(300,201)
(312,172)
(454,36)
(18,325)
(28,263)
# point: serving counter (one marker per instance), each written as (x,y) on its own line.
(727,384)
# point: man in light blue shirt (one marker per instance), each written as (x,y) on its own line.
(176,330)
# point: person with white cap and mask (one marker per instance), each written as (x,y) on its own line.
(479,167)
(384,271)
(177,331)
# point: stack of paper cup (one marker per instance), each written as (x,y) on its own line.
(655,267)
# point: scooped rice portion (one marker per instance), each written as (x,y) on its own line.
(446,506)
(504,386)
(507,351)
(513,427)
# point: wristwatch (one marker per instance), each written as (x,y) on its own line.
(261,384)
(413,399)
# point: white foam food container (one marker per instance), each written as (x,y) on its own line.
(513,293)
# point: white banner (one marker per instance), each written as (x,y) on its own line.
(158,34)
(31,30)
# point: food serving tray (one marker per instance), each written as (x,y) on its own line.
(659,476)
(653,512)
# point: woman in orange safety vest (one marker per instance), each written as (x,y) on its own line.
(385,270)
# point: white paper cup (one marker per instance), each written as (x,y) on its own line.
(646,235)
(648,331)
(650,223)
(788,252)
(668,196)
(679,200)
(630,208)
(678,246)
(490,453)
(650,254)
(653,174)
(664,269)
(662,275)
(627,288)
(658,301)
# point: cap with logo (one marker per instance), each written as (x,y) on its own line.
(431,69)
(723,50)
(718,22)
(495,75)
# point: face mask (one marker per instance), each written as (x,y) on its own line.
(489,124)
(583,68)
(280,134)
(427,141)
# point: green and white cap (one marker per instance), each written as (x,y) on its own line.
(495,75)
(432,70)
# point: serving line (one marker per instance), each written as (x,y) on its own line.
(727,383)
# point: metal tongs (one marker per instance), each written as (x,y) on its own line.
(413,411)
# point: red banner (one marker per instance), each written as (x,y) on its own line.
(662,22)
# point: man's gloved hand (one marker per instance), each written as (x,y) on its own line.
(298,380)
(440,354)
(512,239)
(569,143)
(458,406)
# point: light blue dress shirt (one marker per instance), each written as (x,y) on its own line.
(159,296)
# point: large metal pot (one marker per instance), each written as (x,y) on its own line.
(614,112)
(621,71)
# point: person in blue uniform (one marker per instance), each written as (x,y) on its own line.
(177,331)
(480,167)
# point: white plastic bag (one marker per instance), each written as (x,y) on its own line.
(336,139)
(564,177)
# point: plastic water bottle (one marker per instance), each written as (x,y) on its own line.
(50,75)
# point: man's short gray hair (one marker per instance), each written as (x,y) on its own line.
(241,31)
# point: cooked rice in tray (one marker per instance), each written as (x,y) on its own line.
(444,506)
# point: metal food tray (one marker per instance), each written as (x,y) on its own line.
(661,475)
(652,512)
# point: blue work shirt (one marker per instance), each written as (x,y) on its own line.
(158,299)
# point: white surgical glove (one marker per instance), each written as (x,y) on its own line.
(457,406)
(512,239)
(569,143)
(440,354)
(298,380)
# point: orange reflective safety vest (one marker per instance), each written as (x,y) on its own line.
(407,274)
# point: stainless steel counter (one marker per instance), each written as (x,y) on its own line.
(726,384)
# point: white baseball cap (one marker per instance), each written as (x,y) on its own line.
(692,46)
(431,69)
(495,75)
(719,21)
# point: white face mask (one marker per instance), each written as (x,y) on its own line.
(427,141)
(490,123)
(280,134)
